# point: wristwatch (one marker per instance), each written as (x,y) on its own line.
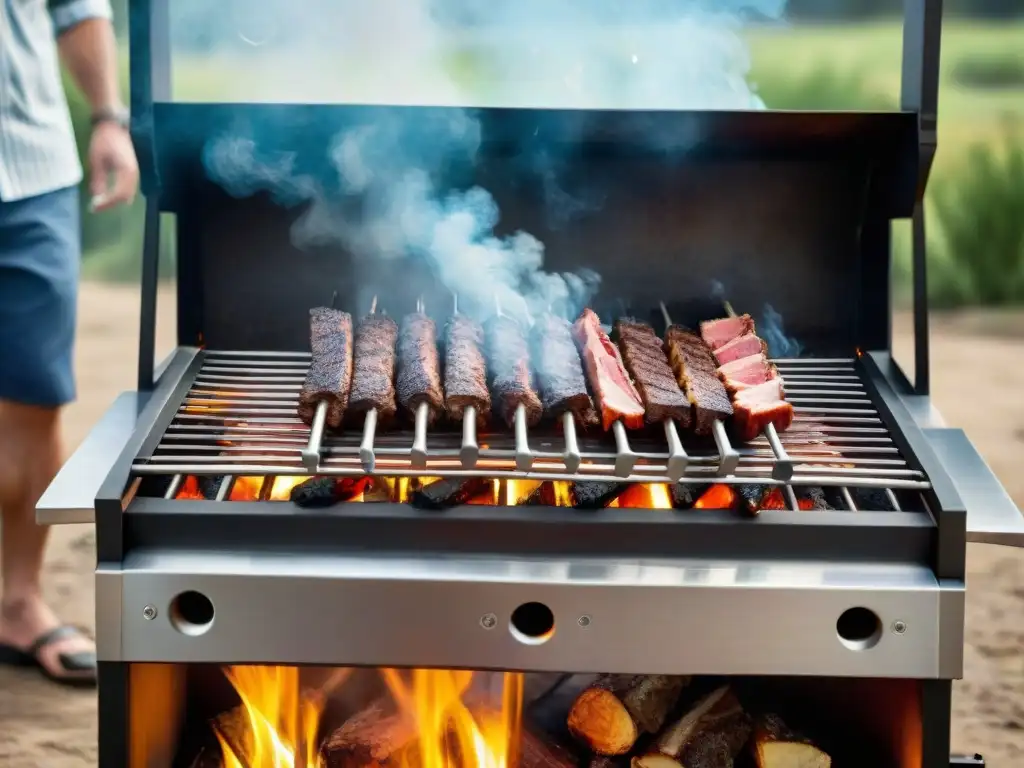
(116,115)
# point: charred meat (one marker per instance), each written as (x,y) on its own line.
(644,356)
(465,369)
(616,396)
(373,380)
(419,366)
(697,374)
(508,361)
(562,384)
(330,369)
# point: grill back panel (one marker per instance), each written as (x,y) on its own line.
(771,206)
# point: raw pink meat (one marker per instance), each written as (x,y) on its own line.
(741,346)
(718,333)
(760,405)
(746,372)
(616,395)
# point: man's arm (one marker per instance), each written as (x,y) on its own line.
(85,37)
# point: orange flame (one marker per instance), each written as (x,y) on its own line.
(646,496)
(716,497)
(190,490)
(433,698)
(279,721)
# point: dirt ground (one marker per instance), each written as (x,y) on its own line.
(42,726)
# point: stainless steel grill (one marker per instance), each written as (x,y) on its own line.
(239,418)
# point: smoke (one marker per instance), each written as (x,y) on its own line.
(386,192)
(771,329)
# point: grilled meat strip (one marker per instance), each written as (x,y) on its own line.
(508,362)
(696,372)
(747,372)
(373,380)
(616,396)
(645,360)
(741,346)
(330,369)
(562,384)
(419,366)
(465,369)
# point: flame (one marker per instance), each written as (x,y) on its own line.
(716,497)
(282,488)
(190,490)
(278,720)
(447,731)
(563,493)
(518,491)
(646,496)
(246,489)
(775,499)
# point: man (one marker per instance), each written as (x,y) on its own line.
(39,263)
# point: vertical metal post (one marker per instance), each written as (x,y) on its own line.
(922,35)
(150,278)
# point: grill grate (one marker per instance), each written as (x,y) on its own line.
(239,418)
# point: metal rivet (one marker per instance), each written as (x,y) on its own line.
(899,626)
(149,613)
(488,621)
(583,621)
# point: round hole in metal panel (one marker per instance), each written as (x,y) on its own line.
(532,623)
(859,628)
(191,613)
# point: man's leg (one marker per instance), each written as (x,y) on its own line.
(39,256)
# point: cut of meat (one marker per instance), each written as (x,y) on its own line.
(758,406)
(696,372)
(330,368)
(741,346)
(373,378)
(645,360)
(746,372)
(465,370)
(563,385)
(616,396)
(508,363)
(419,366)
(718,333)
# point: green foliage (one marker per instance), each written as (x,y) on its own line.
(824,88)
(1003,69)
(979,215)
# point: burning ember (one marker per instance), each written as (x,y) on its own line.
(646,496)
(433,719)
(717,497)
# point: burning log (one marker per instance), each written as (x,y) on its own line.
(450,492)
(320,492)
(536,751)
(609,715)
(685,495)
(374,738)
(710,735)
(596,495)
(774,745)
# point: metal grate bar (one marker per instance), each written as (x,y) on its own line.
(239,419)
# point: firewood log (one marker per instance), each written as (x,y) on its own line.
(376,737)
(540,751)
(709,735)
(774,745)
(609,716)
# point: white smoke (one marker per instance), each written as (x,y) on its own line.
(594,54)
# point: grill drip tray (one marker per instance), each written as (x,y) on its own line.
(238,418)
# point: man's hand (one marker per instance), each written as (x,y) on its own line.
(113,169)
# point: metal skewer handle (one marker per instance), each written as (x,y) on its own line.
(783,467)
(366,454)
(311,453)
(419,443)
(677,457)
(524,459)
(625,459)
(572,456)
(469,454)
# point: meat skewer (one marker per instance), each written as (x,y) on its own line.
(620,404)
(664,401)
(729,457)
(373,387)
(465,381)
(562,382)
(514,398)
(419,377)
(325,392)
(782,469)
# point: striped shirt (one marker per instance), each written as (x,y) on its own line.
(37,145)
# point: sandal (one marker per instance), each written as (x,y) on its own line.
(79,667)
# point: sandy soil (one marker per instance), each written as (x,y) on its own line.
(42,726)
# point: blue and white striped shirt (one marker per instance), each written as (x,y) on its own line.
(37,145)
